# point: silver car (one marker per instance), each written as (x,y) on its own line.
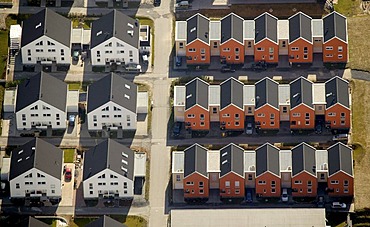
(249,129)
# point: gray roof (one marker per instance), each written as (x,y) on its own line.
(33,222)
(48,23)
(115,24)
(196,94)
(231,93)
(197,28)
(43,87)
(265,27)
(300,27)
(267,93)
(336,91)
(195,160)
(300,92)
(109,154)
(112,88)
(267,159)
(231,160)
(105,221)
(340,159)
(303,159)
(36,154)
(232,28)
(335,25)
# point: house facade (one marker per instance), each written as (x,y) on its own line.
(266,46)
(108,171)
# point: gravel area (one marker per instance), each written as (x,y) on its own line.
(2,21)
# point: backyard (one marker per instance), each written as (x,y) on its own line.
(69,155)
(4,34)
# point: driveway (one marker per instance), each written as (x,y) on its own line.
(67,190)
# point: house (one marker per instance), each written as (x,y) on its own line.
(111,104)
(232,172)
(268,181)
(197,40)
(283,37)
(114,40)
(300,39)
(36,170)
(302,113)
(179,103)
(105,221)
(232,42)
(319,101)
(178,170)
(340,166)
(108,171)
(335,45)
(249,101)
(41,102)
(232,109)
(317,35)
(215,37)
(196,105)
(337,114)
(304,180)
(266,46)
(46,38)
(248,36)
(196,178)
(266,114)
(180,38)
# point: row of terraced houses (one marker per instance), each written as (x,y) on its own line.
(302,103)
(266,38)
(267,170)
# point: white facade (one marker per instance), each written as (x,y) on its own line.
(108,183)
(46,51)
(35,183)
(40,115)
(112,116)
(114,50)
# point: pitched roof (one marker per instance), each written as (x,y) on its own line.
(115,24)
(232,93)
(196,94)
(112,88)
(265,27)
(43,87)
(105,221)
(36,154)
(195,160)
(197,28)
(300,27)
(109,154)
(300,92)
(340,159)
(33,222)
(267,93)
(267,159)
(335,25)
(303,159)
(336,91)
(232,28)
(231,160)
(48,23)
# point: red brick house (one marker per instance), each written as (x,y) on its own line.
(196,181)
(266,47)
(231,108)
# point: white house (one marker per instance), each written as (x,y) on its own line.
(108,171)
(36,170)
(114,40)
(46,39)
(112,104)
(41,102)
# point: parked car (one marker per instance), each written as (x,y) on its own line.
(318,129)
(182,5)
(284,195)
(321,202)
(75,55)
(177,129)
(71,120)
(249,198)
(338,205)
(261,65)
(340,137)
(227,68)
(68,174)
(249,129)
(157,2)
(178,61)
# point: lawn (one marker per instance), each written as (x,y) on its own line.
(3,51)
(77,22)
(348,7)
(69,155)
(74,86)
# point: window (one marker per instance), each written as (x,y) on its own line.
(329,48)
(272,116)
(215,45)
(307,116)
(283,44)
(227,184)
(113,183)
(261,115)
(29,59)
(337,190)
(191,49)
(178,178)
(23,117)
(91,192)
(249,110)
(201,191)
(297,182)
(105,116)
(202,51)
(294,48)
(42,182)
(237,184)
(62,52)
(309,183)
(181,45)
(322,176)
(101,183)
(345,182)
(340,49)
(39,50)
(237,191)
(296,114)
(124,185)
(202,117)
(334,182)
(271,50)
(102,176)
(331,114)
(28,183)
(226,50)
(189,183)
(236,50)
(117,116)
(29,175)
(98,53)
(285,109)
(309,190)
(214,110)
(237,116)
(90,186)
(191,115)
(125,192)
(305,50)
(201,184)
(273,190)
(17,186)
(29,52)
(225,115)
(260,49)
(329,55)
(40,175)
(51,50)
(340,56)
(249,44)
(53,191)
(273,184)
(202,123)
(261,182)
(57,116)
(130,54)
(272,123)
(40,43)
(46,115)
(345,190)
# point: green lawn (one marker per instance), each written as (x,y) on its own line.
(74,86)
(69,155)
(3,51)
(77,22)
(348,7)
(130,221)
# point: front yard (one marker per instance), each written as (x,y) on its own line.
(69,155)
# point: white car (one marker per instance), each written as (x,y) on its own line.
(338,205)
(249,129)
(284,195)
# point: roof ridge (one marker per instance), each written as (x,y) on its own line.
(40,88)
(108,143)
(111,86)
(45,20)
(34,155)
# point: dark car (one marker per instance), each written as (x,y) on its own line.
(177,129)
(227,68)
(320,202)
(318,129)
(178,61)
(249,198)
(157,2)
(261,65)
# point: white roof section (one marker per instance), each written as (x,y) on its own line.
(283,217)
(80,35)
(248,27)
(322,160)
(72,98)
(5,169)
(140,165)
(248,95)
(215,30)
(213,161)
(285,160)
(214,95)
(180,34)
(142,102)
(317,28)
(283,29)
(178,161)
(284,94)
(9,100)
(318,92)
(249,161)
(179,96)
(15,31)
